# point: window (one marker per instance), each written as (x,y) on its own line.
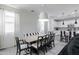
(9,21)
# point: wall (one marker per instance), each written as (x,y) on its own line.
(52,24)
(28,21)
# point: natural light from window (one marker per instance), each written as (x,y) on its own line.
(9,21)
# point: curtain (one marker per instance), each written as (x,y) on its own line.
(1,28)
(8,39)
(17,26)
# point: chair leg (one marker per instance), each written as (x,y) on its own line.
(54,44)
(19,52)
(46,48)
(37,52)
(16,52)
(30,51)
(43,49)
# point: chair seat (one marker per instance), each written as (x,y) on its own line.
(23,46)
(34,45)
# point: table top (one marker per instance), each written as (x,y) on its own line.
(33,38)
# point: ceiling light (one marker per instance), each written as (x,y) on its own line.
(76,21)
(63,23)
(75,16)
(43,16)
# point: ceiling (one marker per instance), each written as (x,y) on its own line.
(53,10)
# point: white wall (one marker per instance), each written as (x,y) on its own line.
(28,22)
(52,24)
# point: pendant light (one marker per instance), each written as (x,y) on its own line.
(63,23)
(43,16)
(75,16)
(63,20)
(75,21)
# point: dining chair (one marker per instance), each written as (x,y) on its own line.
(70,35)
(47,42)
(30,34)
(62,35)
(37,45)
(74,33)
(27,34)
(43,44)
(51,39)
(35,33)
(21,46)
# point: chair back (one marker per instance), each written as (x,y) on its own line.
(64,33)
(70,35)
(30,34)
(35,33)
(44,40)
(27,34)
(39,42)
(17,42)
(51,37)
(61,34)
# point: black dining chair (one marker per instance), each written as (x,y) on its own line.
(74,33)
(51,39)
(70,35)
(38,45)
(35,33)
(30,34)
(27,34)
(44,44)
(21,46)
(61,35)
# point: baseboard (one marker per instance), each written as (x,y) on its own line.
(7,47)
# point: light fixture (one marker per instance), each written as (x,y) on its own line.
(75,16)
(75,21)
(43,16)
(63,16)
(63,23)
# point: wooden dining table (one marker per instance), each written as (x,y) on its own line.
(32,39)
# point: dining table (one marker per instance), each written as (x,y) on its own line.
(33,39)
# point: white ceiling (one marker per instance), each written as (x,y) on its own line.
(53,10)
